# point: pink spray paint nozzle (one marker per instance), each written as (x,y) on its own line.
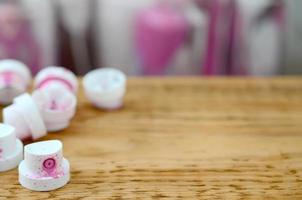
(44,168)
(57,106)
(14,80)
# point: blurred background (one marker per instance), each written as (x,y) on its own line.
(155,37)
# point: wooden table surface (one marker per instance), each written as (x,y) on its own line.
(184,138)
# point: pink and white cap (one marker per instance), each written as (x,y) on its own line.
(11,148)
(57,106)
(44,168)
(105,87)
(56,76)
(24,115)
(14,79)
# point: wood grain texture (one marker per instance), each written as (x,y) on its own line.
(184,138)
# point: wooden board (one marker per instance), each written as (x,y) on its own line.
(184,138)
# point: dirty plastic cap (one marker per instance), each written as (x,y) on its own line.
(44,168)
(11,148)
(57,106)
(56,75)
(25,116)
(14,80)
(105,87)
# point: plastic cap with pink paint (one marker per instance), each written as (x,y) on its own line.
(33,116)
(15,78)
(44,168)
(57,107)
(11,148)
(55,89)
(50,108)
(25,116)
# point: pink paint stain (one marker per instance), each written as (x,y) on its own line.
(49,79)
(52,175)
(9,77)
(53,105)
(49,165)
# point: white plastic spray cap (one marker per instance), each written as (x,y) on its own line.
(44,168)
(14,80)
(11,148)
(25,116)
(105,87)
(57,106)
